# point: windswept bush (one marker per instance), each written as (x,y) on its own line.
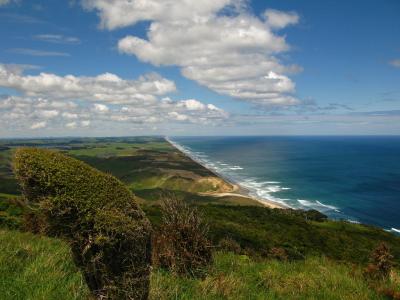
(380,263)
(181,244)
(96,214)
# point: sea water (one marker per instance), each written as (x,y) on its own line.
(352,178)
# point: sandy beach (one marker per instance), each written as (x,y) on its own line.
(267,203)
(237,190)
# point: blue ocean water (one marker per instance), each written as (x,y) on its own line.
(353,178)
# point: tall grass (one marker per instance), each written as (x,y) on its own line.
(34,267)
(237,277)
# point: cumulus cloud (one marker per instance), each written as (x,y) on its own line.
(100,108)
(71,125)
(38,125)
(121,13)
(105,87)
(69,116)
(71,102)
(21,112)
(234,54)
(278,19)
(47,114)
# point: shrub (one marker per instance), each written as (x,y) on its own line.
(380,263)
(96,214)
(278,253)
(181,244)
(315,215)
(230,245)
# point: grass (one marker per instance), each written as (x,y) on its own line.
(10,212)
(238,277)
(34,267)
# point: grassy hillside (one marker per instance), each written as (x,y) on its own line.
(238,277)
(33,267)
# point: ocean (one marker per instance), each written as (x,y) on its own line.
(356,178)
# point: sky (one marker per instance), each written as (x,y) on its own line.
(210,67)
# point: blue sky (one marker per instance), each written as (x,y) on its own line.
(221,67)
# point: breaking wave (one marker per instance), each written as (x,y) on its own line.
(265,189)
(317,205)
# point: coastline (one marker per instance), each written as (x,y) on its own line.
(237,189)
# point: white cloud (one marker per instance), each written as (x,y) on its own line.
(71,125)
(38,125)
(192,104)
(233,54)
(177,116)
(100,108)
(279,19)
(47,114)
(35,52)
(395,63)
(85,123)
(105,87)
(57,38)
(51,101)
(121,13)
(70,116)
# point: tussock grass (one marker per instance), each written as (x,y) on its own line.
(34,267)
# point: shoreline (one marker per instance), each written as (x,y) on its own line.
(237,189)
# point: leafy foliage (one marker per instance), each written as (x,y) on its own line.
(96,214)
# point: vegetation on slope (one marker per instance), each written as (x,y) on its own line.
(35,267)
(96,214)
(238,277)
(259,230)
